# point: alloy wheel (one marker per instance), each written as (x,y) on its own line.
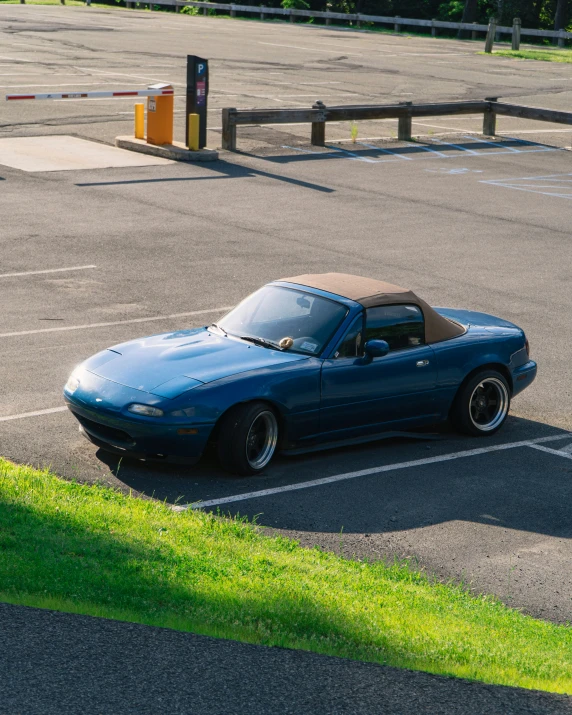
(489,404)
(261,440)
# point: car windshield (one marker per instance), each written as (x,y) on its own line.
(285,318)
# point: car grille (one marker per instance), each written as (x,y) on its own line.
(104,431)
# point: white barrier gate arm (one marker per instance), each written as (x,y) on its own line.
(89,95)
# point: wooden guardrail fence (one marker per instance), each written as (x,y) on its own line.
(559,36)
(397,22)
(319,114)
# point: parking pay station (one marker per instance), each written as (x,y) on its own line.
(160,115)
(197,94)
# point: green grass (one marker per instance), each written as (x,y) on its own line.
(91,550)
(544,55)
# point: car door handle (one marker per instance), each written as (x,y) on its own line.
(422,363)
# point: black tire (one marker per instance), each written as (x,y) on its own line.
(247,438)
(482,404)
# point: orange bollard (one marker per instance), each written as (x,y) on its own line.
(160,117)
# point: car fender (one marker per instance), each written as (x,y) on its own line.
(293,389)
(457,362)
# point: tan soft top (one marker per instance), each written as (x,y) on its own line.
(370,293)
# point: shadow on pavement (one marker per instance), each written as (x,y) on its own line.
(414,149)
(519,488)
(225,170)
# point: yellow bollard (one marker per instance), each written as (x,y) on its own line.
(140,121)
(193,132)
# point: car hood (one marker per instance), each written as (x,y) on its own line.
(172,363)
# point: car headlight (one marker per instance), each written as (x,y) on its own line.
(145,410)
(72,384)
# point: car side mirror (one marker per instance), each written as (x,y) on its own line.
(373,349)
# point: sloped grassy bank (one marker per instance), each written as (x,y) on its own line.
(91,550)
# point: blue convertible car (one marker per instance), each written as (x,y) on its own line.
(305,362)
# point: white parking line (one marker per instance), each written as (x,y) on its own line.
(557,452)
(456,146)
(429,149)
(37,413)
(63,328)
(439,126)
(122,74)
(60,84)
(351,155)
(536,131)
(378,470)
(384,151)
(49,270)
(496,145)
(311,49)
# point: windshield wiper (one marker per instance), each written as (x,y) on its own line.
(216,325)
(260,341)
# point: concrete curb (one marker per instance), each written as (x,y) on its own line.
(176,151)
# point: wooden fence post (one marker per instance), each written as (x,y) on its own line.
(397,26)
(490,118)
(262,12)
(318,135)
(404,125)
(433,28)
(561,39)
(228,130)
(232,11)
(491,35)
(292,16)
(516,25)
(474,33)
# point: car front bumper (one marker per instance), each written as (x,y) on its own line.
(523,376)
(146,440)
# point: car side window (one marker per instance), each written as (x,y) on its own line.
(401,326)
(352,343)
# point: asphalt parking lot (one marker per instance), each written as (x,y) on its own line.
(144,670)
(90,258)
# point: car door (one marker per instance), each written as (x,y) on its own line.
(395,391)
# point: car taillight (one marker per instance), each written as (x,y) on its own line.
(527,346)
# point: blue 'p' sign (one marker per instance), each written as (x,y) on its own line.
(201,68)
